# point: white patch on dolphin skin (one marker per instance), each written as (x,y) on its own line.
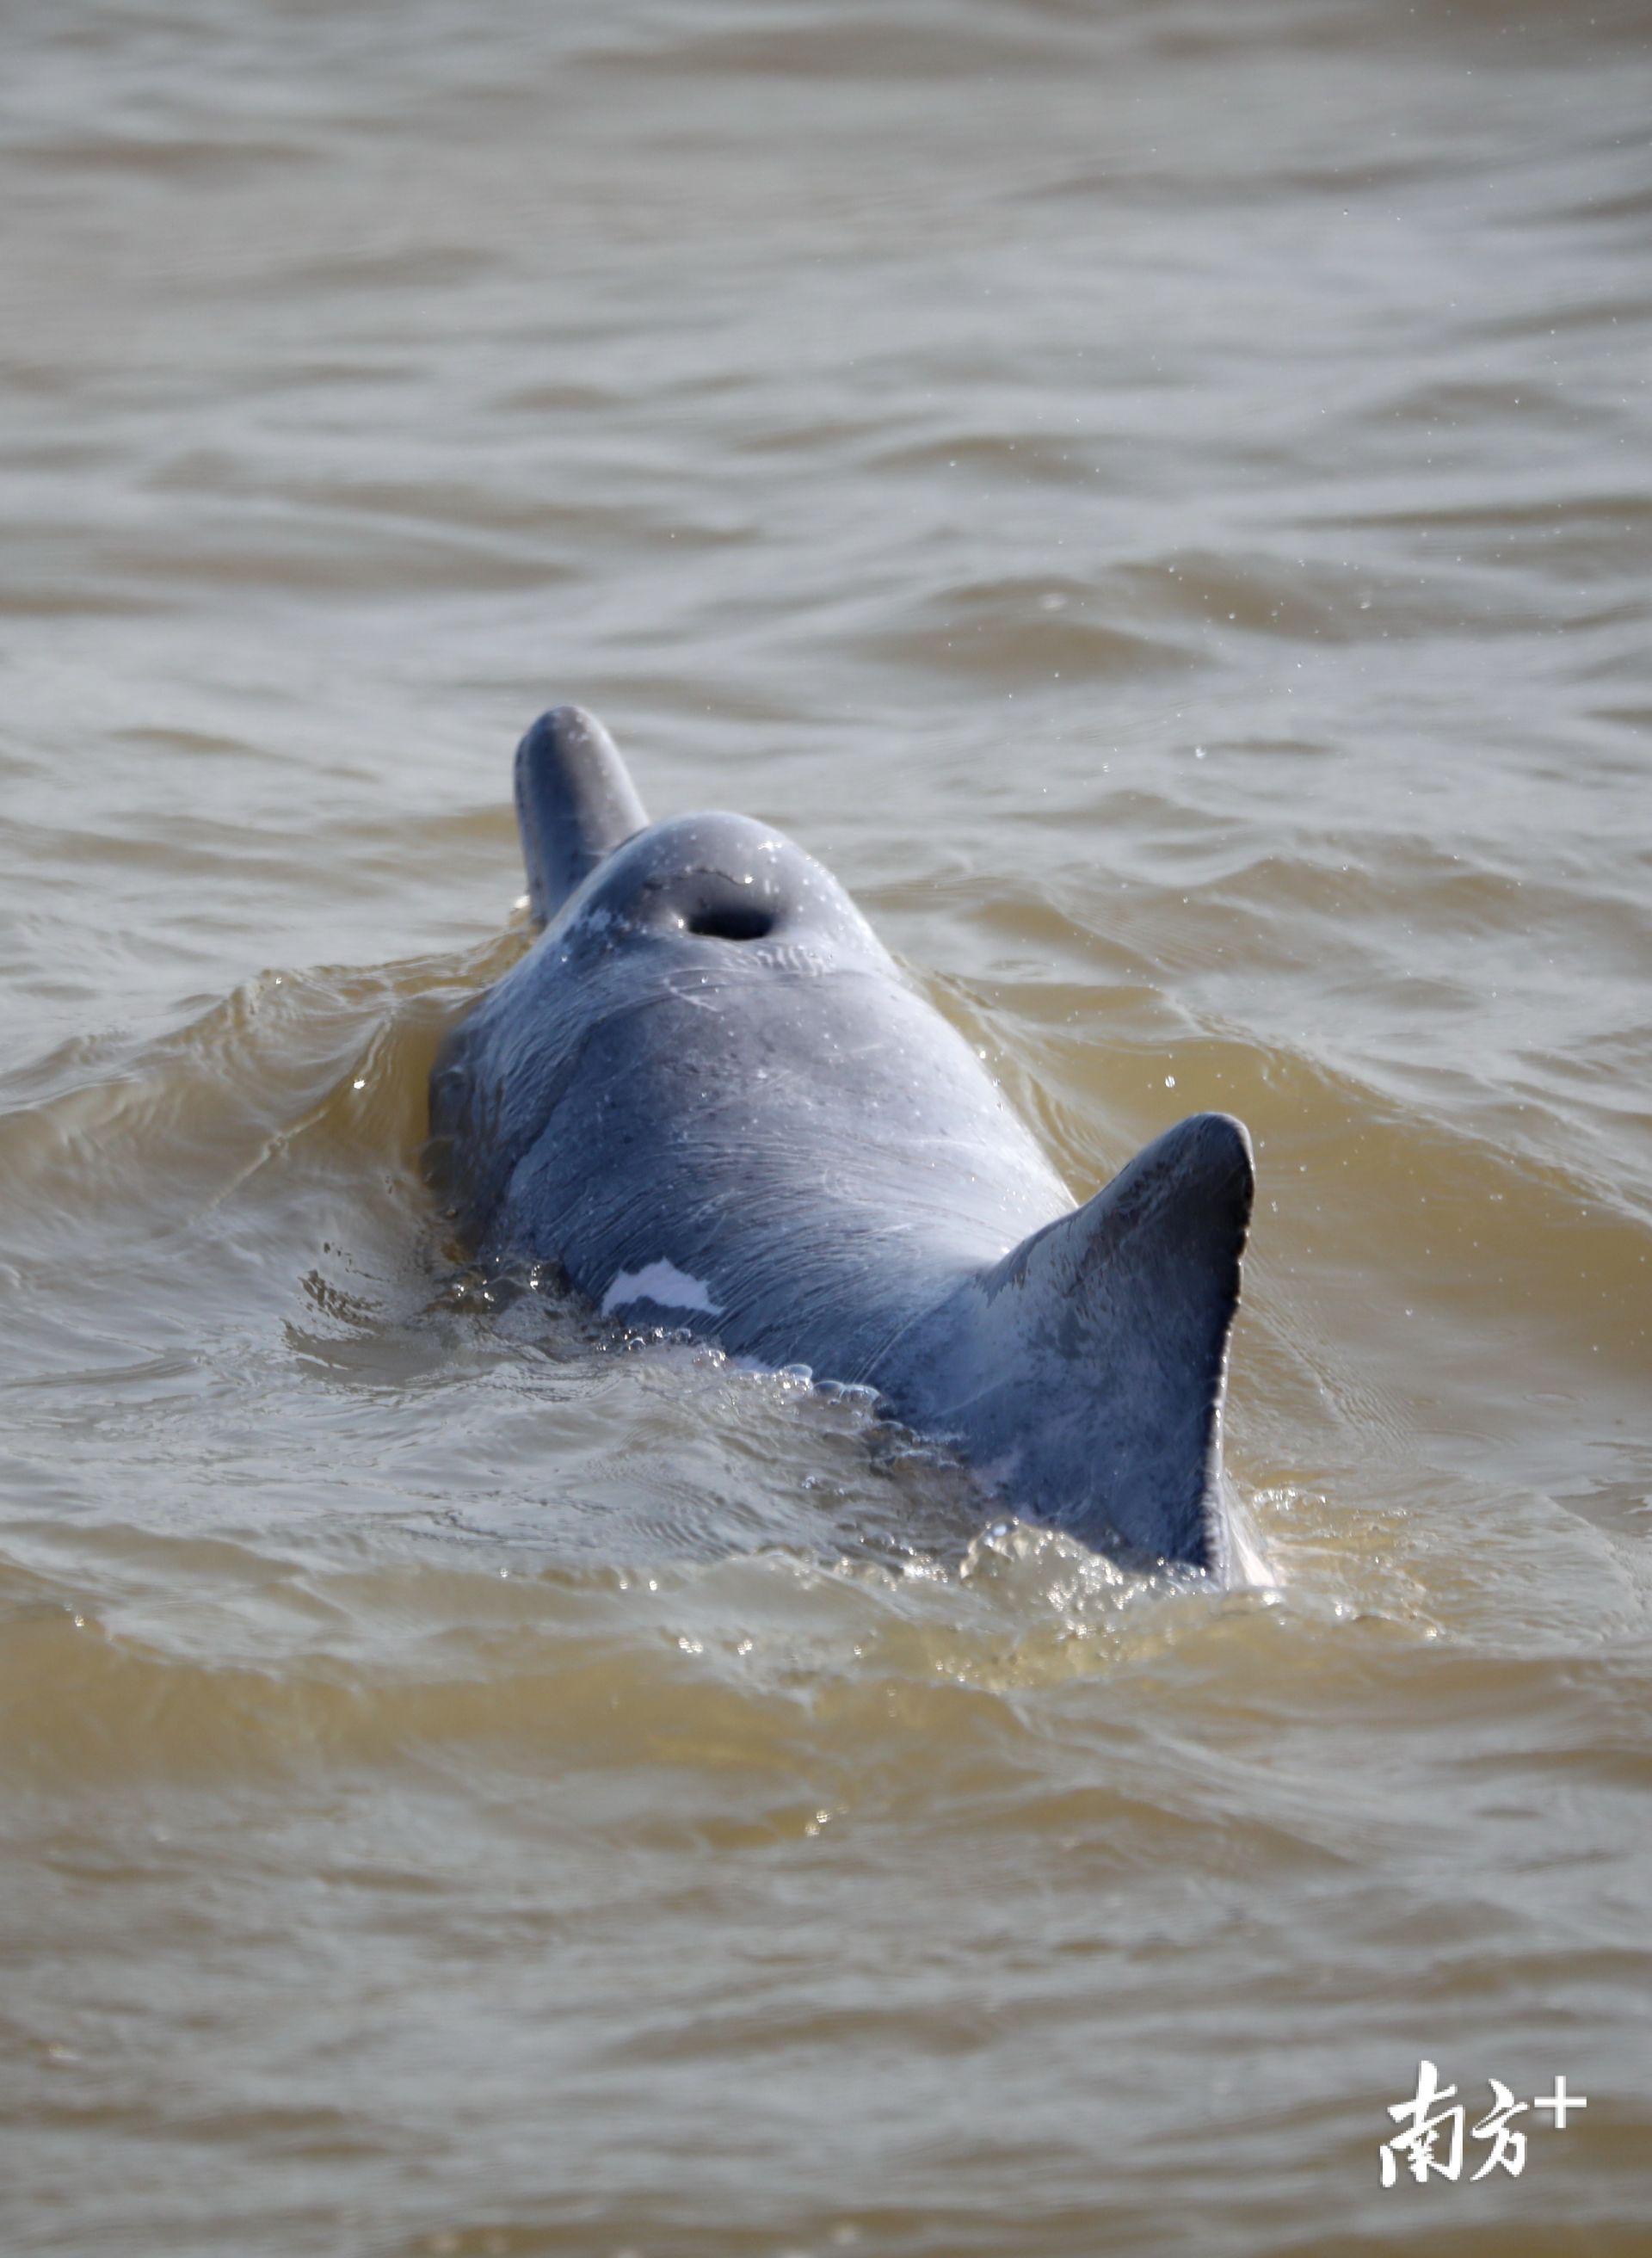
(662,1282)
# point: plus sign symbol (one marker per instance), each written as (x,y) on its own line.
(1560,2102)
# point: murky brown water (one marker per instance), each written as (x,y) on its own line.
(1158,497)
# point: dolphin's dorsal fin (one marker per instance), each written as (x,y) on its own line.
(575,803)
(1098,1348)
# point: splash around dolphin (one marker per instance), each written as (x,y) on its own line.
(711,1101)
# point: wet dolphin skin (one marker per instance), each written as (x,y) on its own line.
(708,1095)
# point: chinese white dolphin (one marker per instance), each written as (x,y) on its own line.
(709,1098)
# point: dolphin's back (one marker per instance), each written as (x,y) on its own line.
(781,1120)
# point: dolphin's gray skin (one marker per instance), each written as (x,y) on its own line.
(710,1099)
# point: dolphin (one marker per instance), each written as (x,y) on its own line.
(708,1100)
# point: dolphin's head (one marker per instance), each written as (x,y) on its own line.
(720,893)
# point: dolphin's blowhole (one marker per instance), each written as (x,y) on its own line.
(731,921)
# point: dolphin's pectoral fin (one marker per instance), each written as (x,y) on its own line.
(575,803)
(1100,1345)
